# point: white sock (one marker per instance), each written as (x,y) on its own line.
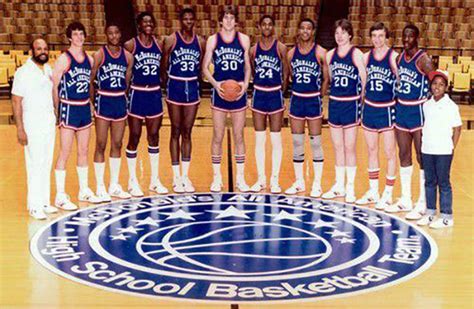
(132,165)
(240,164)
(176,173)
(154,165)
(351,174)
(60,180)
(99,168)
(318,172)
(216,166)
(422,196)
(405,179)
(83,175)
(114,164)
(260,139)
(298,171)
(389,183)
(185,168)
(374,179)
(340,174)
(277,152)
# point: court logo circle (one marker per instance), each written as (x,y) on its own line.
(234,248)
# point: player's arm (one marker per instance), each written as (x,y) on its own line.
(60,66)
(321,54)
(425,64)
(210,45)
(253,50)
(168,43)
(128,74)
(283,51)
(328,61)
(289,57)
(98,58)
(202,45)
(130,46)
(17,105)
(360,64)
(393,62)
(247,70)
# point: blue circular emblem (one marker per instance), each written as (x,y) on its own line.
(234,248)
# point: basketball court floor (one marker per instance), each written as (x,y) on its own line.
(26,283)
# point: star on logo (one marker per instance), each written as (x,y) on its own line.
(282,215)
(337,233)
(131,229)
(119,237)
(147,221)
(321,223)
(346,240)
(181,214)
(232,211)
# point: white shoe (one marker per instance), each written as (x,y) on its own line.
(259,185)
(403,204)
(48,209)
(441,223)
(134,189)
(350,194)
(425,220)
(38,213)
(417,212)
(216,185)
(334,192)
(157,186)
(242,186)
(370,197)
(103,195)
(88,196)
(384,202)
(178,186)
(316,190)
(188,185)
(297,187)
(62,202)
(116,190)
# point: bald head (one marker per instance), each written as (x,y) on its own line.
(40,52)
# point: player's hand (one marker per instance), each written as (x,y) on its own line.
(22,137)
(219,89)
(243,90)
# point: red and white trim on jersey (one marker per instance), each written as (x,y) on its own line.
(305,118)
(63,125)
(408,130)
(267,89)
(307,94)
(146,88)
(412,102)
(110,119)
(183,104)
(75,102)
(378,130)
(145,117)
(229,111)
(111,93)
(344,127)
(267,113)
(345,99)
(184,79)
(380,104)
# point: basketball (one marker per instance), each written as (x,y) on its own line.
(231,89)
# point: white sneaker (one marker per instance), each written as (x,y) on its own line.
(297,187)
(48,209)
(259,185)
(441,223)
(157,186)
(384,202)
(216,185)
(116,190)
(370,197)
(103,195)
(178,186)
(188,185)
(425,220)
(242,186)
(417,212)
(334,192)
(134,189)
(316,190)
(62,202)
(88,196)
(350,194)
(38,213)
(403,204)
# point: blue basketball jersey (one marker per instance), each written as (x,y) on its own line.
(111,76)
(380,89)
(268,67)
(306,72)
(414,86)
(185,58)
(345,79)
(146,67)
(228,58)
(75,81)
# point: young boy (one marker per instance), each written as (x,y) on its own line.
(440,136)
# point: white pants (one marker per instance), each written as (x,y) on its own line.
(39,159)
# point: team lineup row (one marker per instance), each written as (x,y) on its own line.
(380,90)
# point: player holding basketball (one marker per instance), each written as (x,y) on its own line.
(310,77)
(71,80)
(378,114)
(229,51)
(183,52)
(348,77)
(270,67)
(145,102)
(112,71)
(414,65)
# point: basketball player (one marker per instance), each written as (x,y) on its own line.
(270,67)
(182,56)
(229,51)
(378,114)
(71,76)
(348,77)
(310,76)
(112,71)
(414,65)
(145,102)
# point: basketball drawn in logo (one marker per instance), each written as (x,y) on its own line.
(234,247)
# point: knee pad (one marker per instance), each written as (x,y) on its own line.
(298,147)
(317,148)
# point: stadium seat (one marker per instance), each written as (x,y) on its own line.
(444,61)
(454,68)
(462,82)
